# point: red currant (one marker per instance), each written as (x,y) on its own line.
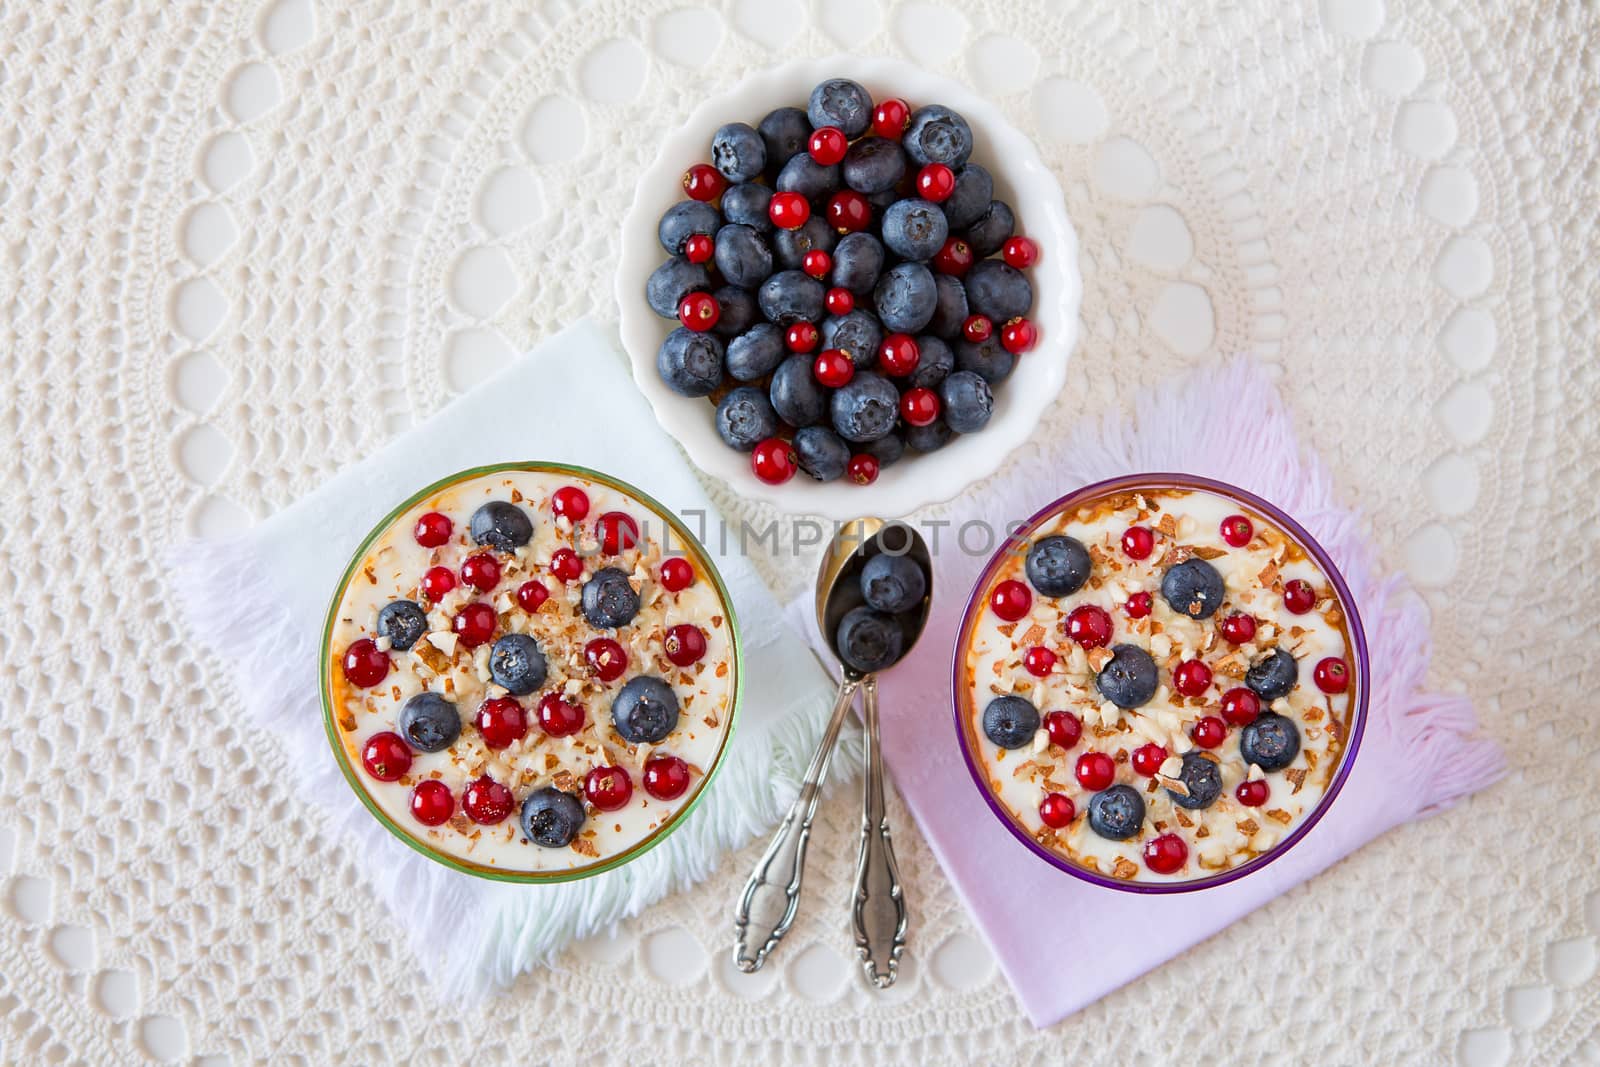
(1253,794)
(1238,628)
(531,594)
(977,329)
(570,503)
(1240,706)
(1020,252)
(703,182)
(432,530)
(1165,854)
(474,624)
(801,337)
(839,301)
(617,531)
(1237,530)
(1089,626)
(936,182)
(919,407)
(1138,606)
(684,644)
(1056,811)
(954,258)
(1064,728)
(828,145)
(482,572)
(899,354)
(1209,732)
(699,248)
(566,565)
(890,118)
(849,212)
(665,777)
(833,368)
(1094,770)
(677,574)
(1038,661)
(487,802)
(364,665)
(773,461)
(1018,336)
(1191,678)
(385,756)
(816,263)
(1147,759)
(863,468)
(431,802)
(558,718)
(606,658)
(437,582)
(1138,542)
(1299,597)
(1010,600)
(501,721)
(1331,675)
(608,788)
(699,311)
(789,211)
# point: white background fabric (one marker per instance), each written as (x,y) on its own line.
(245,242)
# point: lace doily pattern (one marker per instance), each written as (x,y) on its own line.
(245,243)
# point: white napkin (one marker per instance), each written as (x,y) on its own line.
(259,601)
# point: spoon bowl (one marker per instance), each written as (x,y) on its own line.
(839,578)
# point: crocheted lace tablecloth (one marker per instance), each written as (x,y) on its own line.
(244,242)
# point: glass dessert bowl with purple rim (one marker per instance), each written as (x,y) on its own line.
(1160,683)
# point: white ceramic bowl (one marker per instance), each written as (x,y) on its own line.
(1020,178)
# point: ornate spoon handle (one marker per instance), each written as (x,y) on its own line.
(879,911)
(772,896)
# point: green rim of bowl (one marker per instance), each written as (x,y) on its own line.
(325,669)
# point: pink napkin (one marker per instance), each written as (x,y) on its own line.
(1418,756)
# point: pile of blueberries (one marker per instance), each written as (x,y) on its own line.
(874,636)
(831,273)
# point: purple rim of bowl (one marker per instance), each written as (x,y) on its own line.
(1165,481)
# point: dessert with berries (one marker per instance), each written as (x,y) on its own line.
(1158,681)
(846,286)
(530,671)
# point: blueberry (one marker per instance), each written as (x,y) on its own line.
(742,256)
(671,282)
(1271,742)
(857,263)
(992,229)
(873,165)
(866,408)
(789,296)
(756,353)
(690,363)
(1010,721)
(738,151)
(1058,565)
(1202,777)
(516,663)
(1116,813)
(935,365)
(887,449)
(796,396)
(880,201)
(789,247)
(747,205)
(1273,675)
(950,307)
(967,402)
(402,622)
(998,290)
(929,438)
(857,335)
(786,133)
(810,179)
(893,583)
(745,418)
(937,135)
(739,311)
(974,189)
(551,818)
(915,229)
(842,103)
(820,453)
(683,220)
(1130,679)
(905,298)
(429,722)
(500,525)
(645,711)
(609,600)
(988,359)
(1193,588)
(868,640)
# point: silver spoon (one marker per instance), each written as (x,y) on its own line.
(771,898)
